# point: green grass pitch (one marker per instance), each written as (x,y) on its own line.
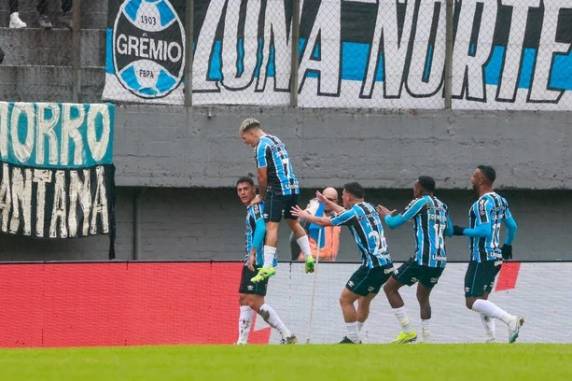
(539,362)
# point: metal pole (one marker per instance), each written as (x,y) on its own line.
(76,51)
(188,82)
(136,236)
(294,38)
(449,55)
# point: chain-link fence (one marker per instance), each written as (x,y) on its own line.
(391,54)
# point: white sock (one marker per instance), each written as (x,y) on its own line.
(269,253)
(244,323)
(401,315)
(490,326)
(304,245)
(271,317)
(491,310)
(425,328)
(360,325)
(353,333)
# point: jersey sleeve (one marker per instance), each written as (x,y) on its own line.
(261,149)
(344,218)
(484,210)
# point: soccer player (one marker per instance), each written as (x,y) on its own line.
(365,225)
(431,221)
(251,295)
(486,216)
(279,188)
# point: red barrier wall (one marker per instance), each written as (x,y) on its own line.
(57,305)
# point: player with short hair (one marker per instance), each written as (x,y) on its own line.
(365,225)
(251,295)
(486,216)
(279,188)
(431,223)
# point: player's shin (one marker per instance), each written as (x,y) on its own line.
(271,317)
(490,327)
(269,254)
(491,310)
(244,324)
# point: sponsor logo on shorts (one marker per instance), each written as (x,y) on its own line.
(414,280)
(433,280)
(370,289)
(250,287)
(350,283)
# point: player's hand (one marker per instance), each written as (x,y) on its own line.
(310,264)
(506,251)
(299,212)
(458,230)
(256,200)
(383,211)
(321,198)
(251,260)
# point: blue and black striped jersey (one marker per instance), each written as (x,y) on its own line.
(271,154)
(492,209)
(431,217)
(365,225)
(254,214)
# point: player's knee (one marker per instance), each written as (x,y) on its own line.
(469,303)
(389,288)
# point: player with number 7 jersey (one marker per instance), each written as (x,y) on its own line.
(365,225)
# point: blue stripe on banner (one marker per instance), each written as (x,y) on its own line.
(109,67)
(355,58)
(560,77)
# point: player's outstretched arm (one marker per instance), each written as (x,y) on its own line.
(394,220)
(305,215)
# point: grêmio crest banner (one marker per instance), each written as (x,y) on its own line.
(57,174)
(145,51)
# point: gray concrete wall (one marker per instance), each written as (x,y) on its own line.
(204,224)
(158,146)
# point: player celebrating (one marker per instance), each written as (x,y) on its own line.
(365,225)
(486,216)
(431,222)
(279,188)
(251,297)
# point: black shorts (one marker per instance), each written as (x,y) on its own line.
(411,272)
(480,277)
(247,287)
(365,280)
(276,206)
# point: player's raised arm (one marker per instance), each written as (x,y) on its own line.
(394,220)
(329,204)
(309,217)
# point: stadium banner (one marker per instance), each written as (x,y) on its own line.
(87,304)
(145,51)
(57,175)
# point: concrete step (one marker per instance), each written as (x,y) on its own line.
(93,13)
(49,83)
(51,47)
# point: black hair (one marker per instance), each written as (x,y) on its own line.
(427,183)
(489,173)
(245,179)
(355,189)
